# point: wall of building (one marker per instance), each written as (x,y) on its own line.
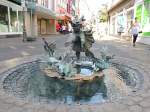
(51,4)
(31,25)
(140,9)
(11,20)
(120,18)
(40,20)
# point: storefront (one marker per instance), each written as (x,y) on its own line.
(142,12)
(42,20)
(11,20)
(121,14)
(121,22)
(46,26)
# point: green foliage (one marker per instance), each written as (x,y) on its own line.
(103,13)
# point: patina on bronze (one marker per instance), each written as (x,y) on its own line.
(83,38)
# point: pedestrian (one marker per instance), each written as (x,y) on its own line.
(58,27)
(69,28)
(135,29)
(64,29)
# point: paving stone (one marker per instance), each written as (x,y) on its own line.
(147,94)
(146,110)
(43,110)
(84,108)
(21,103)
(73,108)
(15,109)
(128,102)
(120,106)
(126,110)
(4,97)
(28,110)
(52,107)
(137,99)
(5,106)
(115,107)
(62,108)
(10,100)
(145,103)
(97,108)
(135,108)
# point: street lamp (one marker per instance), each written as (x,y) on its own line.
(24,28)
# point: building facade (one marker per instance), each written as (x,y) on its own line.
(66,9)
(40,17)
(10,18)
(122,12)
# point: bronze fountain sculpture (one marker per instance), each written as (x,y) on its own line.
(74,69)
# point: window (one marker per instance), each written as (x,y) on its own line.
(43,3)
(3,19)
(20,17)
(13,20)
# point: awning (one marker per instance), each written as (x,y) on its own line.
(45,10)
(10,4)
(63,17)
(36,8)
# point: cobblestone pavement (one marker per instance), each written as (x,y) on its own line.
(134,56)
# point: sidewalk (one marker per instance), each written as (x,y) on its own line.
(14,47)
(123,48)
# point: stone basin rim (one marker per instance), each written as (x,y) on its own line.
(31,59)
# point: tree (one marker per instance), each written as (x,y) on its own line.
(103,13)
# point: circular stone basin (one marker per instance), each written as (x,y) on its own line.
(28,81)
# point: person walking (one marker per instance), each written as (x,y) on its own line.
(64,29)
(135,29)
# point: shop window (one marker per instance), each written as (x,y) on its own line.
(43,26)
(3,18)
(13,20)
(121,23)
(20,17)
(130,17)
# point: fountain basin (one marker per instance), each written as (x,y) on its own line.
(29,81)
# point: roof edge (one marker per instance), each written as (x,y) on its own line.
(119,2)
